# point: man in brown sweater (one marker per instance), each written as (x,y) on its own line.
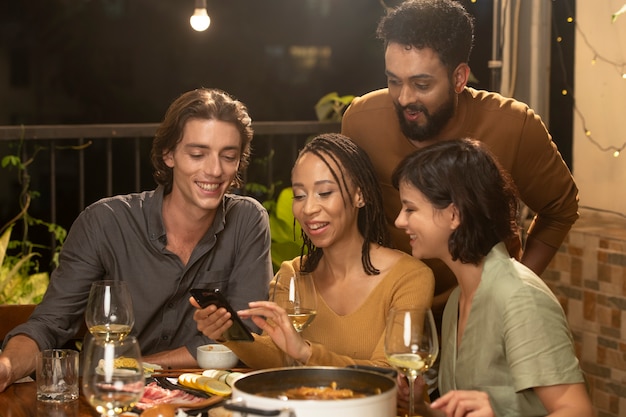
(427,49)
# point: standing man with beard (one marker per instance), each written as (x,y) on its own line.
(427,50)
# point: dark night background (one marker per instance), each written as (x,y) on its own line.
(119,61)
(124,61)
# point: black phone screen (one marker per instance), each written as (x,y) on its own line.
(206,297)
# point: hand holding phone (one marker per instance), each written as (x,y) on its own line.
(206,297)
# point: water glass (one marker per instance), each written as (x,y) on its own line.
(57,375)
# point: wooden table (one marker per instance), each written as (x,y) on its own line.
(20,400)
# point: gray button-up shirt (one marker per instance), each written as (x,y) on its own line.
(123,238)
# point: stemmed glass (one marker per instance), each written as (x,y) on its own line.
(109,312)
(296,294)
(411,344)
(113,376)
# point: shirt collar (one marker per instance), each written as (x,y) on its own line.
(153,204)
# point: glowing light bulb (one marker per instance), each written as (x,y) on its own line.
(200,20)
(616,154)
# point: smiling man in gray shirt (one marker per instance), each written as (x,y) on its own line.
(189,232)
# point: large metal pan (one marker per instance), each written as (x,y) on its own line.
(380,401)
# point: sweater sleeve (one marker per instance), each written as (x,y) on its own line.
(545,183)
(262,352)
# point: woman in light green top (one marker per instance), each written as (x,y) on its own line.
(506,346)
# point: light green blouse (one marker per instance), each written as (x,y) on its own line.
(516,338)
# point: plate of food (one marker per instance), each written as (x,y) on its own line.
(188,391)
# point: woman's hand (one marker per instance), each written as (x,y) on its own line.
(422,408)
(464,403)
(403,391)
(211,321)
(275,322)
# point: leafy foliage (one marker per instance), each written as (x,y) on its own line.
(331,107)
(21,281)
(286,232)
(286,235)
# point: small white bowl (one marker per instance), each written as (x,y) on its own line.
(216,356)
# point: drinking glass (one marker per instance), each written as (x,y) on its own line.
(109,312)
(411,344)
(296,294)
(113,376)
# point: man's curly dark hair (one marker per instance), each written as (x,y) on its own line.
(441,25)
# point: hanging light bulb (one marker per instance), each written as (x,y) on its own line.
(200,20)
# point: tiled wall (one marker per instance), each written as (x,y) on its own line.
(588,275)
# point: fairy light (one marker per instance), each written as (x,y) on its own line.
(616,150)
(620,68)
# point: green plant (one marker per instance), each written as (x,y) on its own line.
(286,236)
(16,285)
(286,232)
(21,281)
(331,107)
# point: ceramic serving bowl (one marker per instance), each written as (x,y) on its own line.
(216,356)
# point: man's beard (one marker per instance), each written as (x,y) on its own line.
(434,123)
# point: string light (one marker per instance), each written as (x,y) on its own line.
(611,148)
(619,66)
(621,69)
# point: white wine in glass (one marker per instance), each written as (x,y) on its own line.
(113,375)
(296,294)
(411,344)
(109,313)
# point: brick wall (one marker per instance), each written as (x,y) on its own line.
(588,275)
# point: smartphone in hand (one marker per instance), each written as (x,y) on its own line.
(206,297)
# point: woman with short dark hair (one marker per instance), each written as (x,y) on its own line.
(506,345)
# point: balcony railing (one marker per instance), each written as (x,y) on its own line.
(75,165)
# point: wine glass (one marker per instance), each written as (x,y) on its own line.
(295,292)
(109,312)
(113,375)
(411,344)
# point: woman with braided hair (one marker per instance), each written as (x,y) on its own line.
(358,277)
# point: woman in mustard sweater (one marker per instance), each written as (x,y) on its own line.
(358,277)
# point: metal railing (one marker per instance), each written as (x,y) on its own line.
(89,162)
